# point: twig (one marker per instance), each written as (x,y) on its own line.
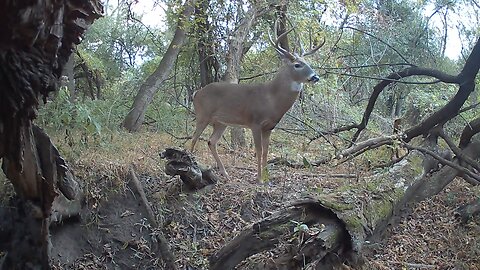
(414,265)
(331,175)
(377,38)
(168,256)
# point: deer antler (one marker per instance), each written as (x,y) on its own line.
(277,46)
(314,49)
(286,53)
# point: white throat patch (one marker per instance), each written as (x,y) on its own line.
(296,86)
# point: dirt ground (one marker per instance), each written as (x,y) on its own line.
(113,232)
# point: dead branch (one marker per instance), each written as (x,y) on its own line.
(459,168)
(165,251)
(466,81)
(366,145)
(380,78)
(473,106)
(468,132)
(457,151)
(297,165)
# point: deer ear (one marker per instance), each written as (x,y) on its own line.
(287,58)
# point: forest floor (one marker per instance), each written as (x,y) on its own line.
(113,232)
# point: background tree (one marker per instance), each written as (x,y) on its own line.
(135,117)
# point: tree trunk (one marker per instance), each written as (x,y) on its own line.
(135,117)
(34,49)
(88,76)
(44,173)
(234,59)
(204,45)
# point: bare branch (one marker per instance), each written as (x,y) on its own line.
(411,71)
(469,108)
(466,81)
(366,145)
(379,78)
(379,39)
(457,151)
(468,132)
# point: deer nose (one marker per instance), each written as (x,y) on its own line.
(314,78)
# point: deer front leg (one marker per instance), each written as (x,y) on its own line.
(265,144)
(257,140)
(218,130)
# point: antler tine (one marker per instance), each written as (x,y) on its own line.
(297,37)
(276,44)
(312,51)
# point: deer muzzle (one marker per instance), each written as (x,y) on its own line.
(314,78)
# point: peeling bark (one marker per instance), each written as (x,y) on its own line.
(191,173)
(34,49)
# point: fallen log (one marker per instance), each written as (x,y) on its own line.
(344,220)
(318,232)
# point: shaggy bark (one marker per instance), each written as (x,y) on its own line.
(144,97)
(35,47)
(44,173)
(181,163)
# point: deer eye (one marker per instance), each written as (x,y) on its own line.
(297,65)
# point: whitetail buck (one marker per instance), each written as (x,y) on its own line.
(256,106)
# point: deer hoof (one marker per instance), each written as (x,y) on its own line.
(225,174)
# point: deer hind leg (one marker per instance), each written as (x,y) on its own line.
(257,140)
(218,130)
(199,128)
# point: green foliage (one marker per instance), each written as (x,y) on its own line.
(92,119)
(387,32)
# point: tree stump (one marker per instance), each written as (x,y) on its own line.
(181,163)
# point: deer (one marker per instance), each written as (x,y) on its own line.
(258,107)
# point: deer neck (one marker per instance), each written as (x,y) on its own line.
(284,90)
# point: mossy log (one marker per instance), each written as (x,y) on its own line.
(181,163)
(345,220)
